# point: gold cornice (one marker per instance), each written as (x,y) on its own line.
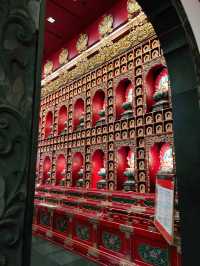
(140,29)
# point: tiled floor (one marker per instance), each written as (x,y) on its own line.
(45,253)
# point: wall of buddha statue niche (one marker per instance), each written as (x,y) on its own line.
(98,108)
(48,125)
(78,114)
(77,170)
(160,162)
(60,170)
(98,178)
(46,179)
(157,88)
(125,169)
(166,161)
(62,120)
(124,99)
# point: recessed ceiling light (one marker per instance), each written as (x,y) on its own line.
(51,20)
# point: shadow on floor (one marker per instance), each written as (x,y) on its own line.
(45,253)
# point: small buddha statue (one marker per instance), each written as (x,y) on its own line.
(128,104)
(80,181)
(161,93)
(129,184)
(102,113)
(102,182)
(166,161)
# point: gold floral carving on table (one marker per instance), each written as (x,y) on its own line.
(106,26)
(142,29)
(132,7)
(82,42)
(63,56)
(48,68)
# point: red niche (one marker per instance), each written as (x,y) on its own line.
(124,97)
(77,165)
(48,124)
(60,168)
(153,80)
(98,106)
(62,119)
(154,163)
(78,114)
(98,158)
(122,163)
(46,169)
(166,158)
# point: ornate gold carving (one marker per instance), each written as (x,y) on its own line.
(48,68)
(141,30)
(82,42)
(133,8)
(63,56)
(106,26)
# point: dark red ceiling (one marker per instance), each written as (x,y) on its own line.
(71,16)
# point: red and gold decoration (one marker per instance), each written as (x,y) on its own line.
(63,56)
(106,26)
(48,68)
(105,136)
(82,42)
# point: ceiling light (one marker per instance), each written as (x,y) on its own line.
(51,20)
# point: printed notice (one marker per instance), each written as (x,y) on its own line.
(164,216)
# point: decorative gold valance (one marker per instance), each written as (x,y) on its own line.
(141,30)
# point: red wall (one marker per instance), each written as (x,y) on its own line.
(97,164)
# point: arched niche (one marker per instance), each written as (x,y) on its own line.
(157,88)
(62,119)
(154,164)
(77,169)
(46,170)
(60,169)
(98,169)
(124,99)
(78,114)
(125,168)
(48,124)
(160,162)
(98,108)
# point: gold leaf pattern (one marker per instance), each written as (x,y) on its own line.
(48,68)
(82,42)
(106,26)
(132,7)
(63,56)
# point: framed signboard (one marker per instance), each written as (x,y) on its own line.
(164,213)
